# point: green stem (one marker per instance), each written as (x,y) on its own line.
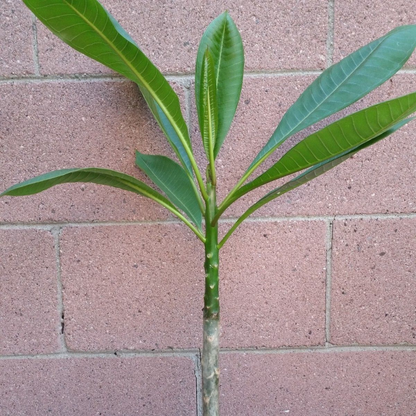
(210,348)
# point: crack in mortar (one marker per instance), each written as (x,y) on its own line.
(56,232)
(35,46)
(330,36)
(328,281)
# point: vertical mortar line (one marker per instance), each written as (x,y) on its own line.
(328,280)
(198,383)
(187,89)
(35,46)
(330,34)
(56,232)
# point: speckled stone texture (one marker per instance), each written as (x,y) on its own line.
(132,287)
(360,383)
(358,22)
(277,34)
(373,282)
(29,315)
(16,39)
(145,386)
(273,285)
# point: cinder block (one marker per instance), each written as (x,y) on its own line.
(277,35)
(76,124)
(16,40)
(325,384)
(29,315)
(357,23)
(145,386)
(373,290)
(273,285)
(132,287)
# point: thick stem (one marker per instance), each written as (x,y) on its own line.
(210,349)
(210,369)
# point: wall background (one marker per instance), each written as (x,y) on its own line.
(89,276)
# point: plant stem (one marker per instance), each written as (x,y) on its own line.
(210,348)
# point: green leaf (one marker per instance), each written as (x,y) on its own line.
(208,108)
(328,164)
(311,174)
(224,43)
(344,83)
(87,27)
(93,175)
(173,182)
(101,177)
(338,137)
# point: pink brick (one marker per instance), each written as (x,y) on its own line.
(75,124)
(359,22)
(325,384)
(145,386)
(29,316)
(132,287)
(276,34)
(273,285)
(16,39)
(373,290)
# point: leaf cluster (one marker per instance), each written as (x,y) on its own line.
(89,28)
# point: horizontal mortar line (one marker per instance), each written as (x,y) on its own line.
(379,216)
(50,226)
(320,349)
(407,71)
(283,73)
(190,353)
(45,227)
(34,79)
(82,77)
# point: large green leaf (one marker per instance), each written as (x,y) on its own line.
(99,176)
(224,43)
(87,27)
(93,175)
(208,107)
(344,83)
(311,174)
(336,138)
(173,181)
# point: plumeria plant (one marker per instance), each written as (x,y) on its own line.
(189,191)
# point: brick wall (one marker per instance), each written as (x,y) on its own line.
(101,291)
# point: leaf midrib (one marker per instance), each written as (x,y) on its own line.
(220,52)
